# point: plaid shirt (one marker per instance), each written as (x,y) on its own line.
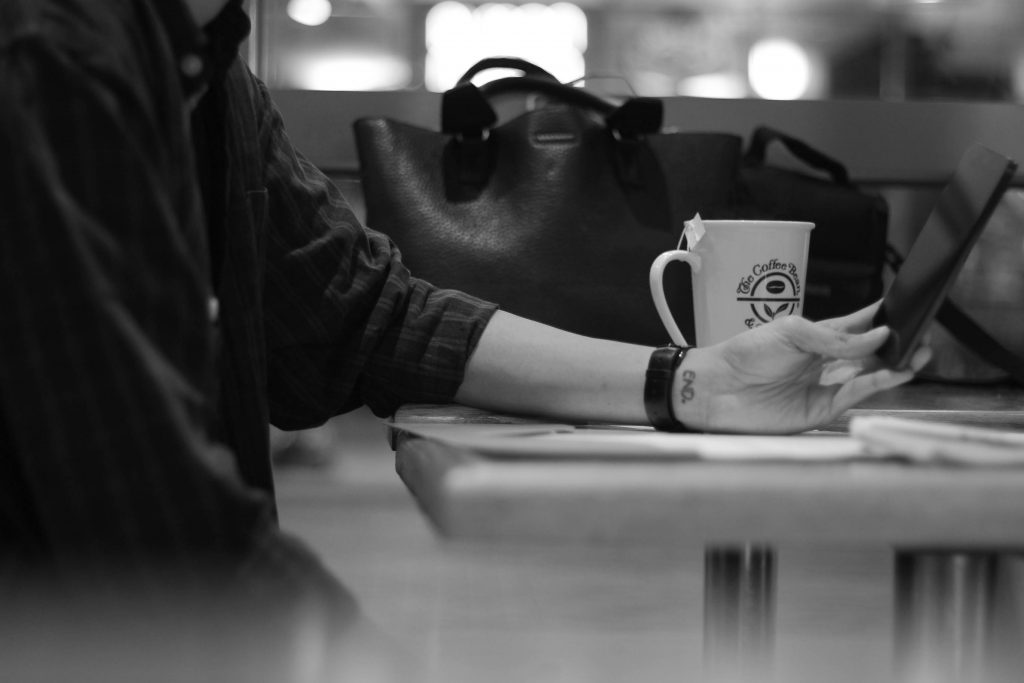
(133,410)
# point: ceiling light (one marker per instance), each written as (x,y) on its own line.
(779,69)
(309,12)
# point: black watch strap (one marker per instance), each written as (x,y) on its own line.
(665,360)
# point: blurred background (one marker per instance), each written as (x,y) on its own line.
(771,49)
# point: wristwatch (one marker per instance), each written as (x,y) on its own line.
(661,369)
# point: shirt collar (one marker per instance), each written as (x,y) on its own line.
(203,54)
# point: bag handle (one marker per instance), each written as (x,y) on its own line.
(466,110)
(528,68)
(763,135)
(467,116)
(968,332)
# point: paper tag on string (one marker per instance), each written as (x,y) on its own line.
(693,231)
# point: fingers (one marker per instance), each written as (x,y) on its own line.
(855,387)
(832,342)
(840,372)
(858,321)
(862,386)
(920,358)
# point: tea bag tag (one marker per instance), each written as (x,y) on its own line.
(693,231)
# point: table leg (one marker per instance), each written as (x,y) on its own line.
(943,616)
(739,611)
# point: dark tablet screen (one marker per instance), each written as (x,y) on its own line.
(940,249)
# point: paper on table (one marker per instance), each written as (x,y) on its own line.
(923,441)
(872,437)
(552,441)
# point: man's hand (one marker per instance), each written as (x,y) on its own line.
(786,376)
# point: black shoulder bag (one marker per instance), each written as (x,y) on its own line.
(847,252)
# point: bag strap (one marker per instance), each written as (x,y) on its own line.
(466,109)
(968,332)
(973,336)
(757,152)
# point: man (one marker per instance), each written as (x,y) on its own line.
(174,276)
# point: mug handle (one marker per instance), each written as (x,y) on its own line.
(658,289)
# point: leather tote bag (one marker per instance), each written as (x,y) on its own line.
(555,212)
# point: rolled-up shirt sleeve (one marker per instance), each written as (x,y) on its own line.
(347,323)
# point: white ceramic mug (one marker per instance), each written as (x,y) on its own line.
(745,273)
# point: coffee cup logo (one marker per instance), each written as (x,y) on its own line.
(772,290)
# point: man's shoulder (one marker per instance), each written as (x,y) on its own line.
(68,24)
(89,34)
(118,46)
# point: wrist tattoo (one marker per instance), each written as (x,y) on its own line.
(687,391)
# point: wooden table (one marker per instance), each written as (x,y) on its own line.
(948,526)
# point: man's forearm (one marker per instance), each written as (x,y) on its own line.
(787,376)
(521,366)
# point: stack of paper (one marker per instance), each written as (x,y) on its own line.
(923,441)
